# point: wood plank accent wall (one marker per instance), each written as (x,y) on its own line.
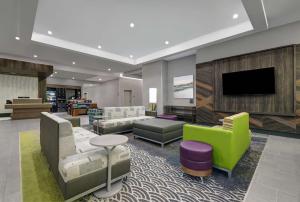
(280,103)
(207,98)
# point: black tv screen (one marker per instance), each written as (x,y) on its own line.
(251,82)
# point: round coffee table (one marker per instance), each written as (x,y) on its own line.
(109,142)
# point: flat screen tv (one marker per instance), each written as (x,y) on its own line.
(250,82)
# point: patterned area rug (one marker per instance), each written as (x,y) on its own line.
(156,176)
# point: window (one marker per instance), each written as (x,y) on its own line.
(152,95)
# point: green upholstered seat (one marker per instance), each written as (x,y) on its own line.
(229,145)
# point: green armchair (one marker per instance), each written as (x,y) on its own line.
(229,141)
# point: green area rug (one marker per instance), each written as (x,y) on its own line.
(38,183)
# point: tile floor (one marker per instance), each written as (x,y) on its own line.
(277,177)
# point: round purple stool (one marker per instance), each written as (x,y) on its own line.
(196,158)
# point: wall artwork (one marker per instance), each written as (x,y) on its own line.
(184,87)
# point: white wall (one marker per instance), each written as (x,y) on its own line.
(135,86)
(180,67)
(276,37)
(111,93)
(105,94)
(154,76)
(13,86)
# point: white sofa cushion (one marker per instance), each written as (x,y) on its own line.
(82,140)
(81,164)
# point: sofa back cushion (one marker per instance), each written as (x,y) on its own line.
(123,112)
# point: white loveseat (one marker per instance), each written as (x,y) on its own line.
(120,119)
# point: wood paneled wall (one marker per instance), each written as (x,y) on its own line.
(280,103)
(212,106)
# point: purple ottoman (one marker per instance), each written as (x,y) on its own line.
(196,158)
(167,116)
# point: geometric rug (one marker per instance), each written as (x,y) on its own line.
(156,176)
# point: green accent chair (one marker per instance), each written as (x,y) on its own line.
(229,141)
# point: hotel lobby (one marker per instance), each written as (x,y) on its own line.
(150,101)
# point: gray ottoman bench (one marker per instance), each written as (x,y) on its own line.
(161,131)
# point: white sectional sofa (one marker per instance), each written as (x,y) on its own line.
(78,167)
(120,119)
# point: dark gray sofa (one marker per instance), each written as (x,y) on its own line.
(60,148)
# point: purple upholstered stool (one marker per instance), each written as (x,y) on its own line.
(196,158)
(167,116)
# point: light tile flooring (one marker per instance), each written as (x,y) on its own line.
(277,177)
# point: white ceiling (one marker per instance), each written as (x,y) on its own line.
(80,76)
(106,22)
(280,12)
(79,26)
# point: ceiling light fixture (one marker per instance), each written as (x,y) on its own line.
(100,79)
(35,56)
(17,38)
(235,16)
(73,63)
(55,72)
(99,46)
(131,25)
(109,69)
(73,78)
(51,75)
(131,56)
(49,32)
(167,42)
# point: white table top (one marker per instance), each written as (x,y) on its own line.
(108,140)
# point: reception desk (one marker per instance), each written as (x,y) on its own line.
(28,108)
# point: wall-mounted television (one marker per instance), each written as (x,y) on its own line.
(250,82)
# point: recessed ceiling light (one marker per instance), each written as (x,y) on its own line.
(100,79)
(99,46)
(73,63)
(131,25)
(17,38)
(49,32)
(55,72)
(235,16)
(131,56)
(73,78)
(109,69)
(167,42)
(51,75)
(35,56)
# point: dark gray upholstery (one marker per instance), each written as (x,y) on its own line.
(158,130)
(158,137)
(116,129)
(159,125)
